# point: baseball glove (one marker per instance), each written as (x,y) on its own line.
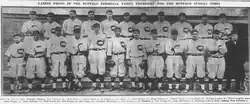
(129,63)
(143,64)
(111,63)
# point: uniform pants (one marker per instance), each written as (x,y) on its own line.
(216,67)
(174,66)
(58,66)
(16,67)
(119,69)
(135,70)
(97,61)
(156,66)
(195,64)
(79,65)
(35,66)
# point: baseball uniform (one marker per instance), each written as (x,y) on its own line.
(86,27)
(47,27)
(145,28)
(163,28)
(36,60)
(16,53)
(127,28)
(108,27)
(204,30)
(226,28)
(183,29)
(97,45)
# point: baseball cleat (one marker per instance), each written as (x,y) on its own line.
(92,89)
(210,91)
(204,91)
(11,92)
(221,91)
(160,90)
(186,91)
(102,89)
(112,88)
(169,91)
(178,90)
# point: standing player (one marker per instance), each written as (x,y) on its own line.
(78,55)
(116,52)
(162,26)
(223,25)
(108,25)
(145,27)
(36,61)
(136,57)
(15,55)
(204,28)
(216,61)
(57,54)
(29,26)
(49,25)
(174,49)
(68,26)
(97,45)
(155,51)
(182,26)
(127,26)
(86,26)
(195,61)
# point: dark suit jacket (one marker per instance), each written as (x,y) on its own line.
(235,58)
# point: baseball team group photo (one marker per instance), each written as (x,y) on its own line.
(124,51)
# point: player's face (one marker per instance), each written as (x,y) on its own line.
(109,15)
(96,29)
(234,37)
(32,16)
(154,35)
(136,34)
(174,36)
(161,18)
(17,39)
(77,35)
(91,15)
(36,37)
(143,18)
(58,32)
(182,18)
(126,18)
(217,36)
(50,18)
(195,35)
(204,20)
(72,14)
(222,19)
(117,32)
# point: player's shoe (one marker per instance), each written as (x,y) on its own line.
(43,90)
(65,89)
(79,89)
(204,91)
(210,91)
(52,90)
(239,91)
(186,91)
(92,89)
(28,90)
(11,92)
(169,91)
(178,90)
(160,90)
(121,88)
(112,88)
(221,91)
(102,89)
(132,89)
(149,90)
(141,90)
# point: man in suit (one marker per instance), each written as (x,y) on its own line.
(235,58)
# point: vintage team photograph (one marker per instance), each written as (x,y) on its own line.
(101,51)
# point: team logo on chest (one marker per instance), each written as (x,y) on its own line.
(200,47)
(139,47)
(100,42)
(130,29)
(123,44)
(147,29)
(63,44)
(20,51)
(185,30)
(165,29)
(80,46)
(209,31)
(112,28)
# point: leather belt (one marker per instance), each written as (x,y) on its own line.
(176,54)
(28,35)
(136,56)
(145,38)
(78,54)
(126,36)
(162,36)
(97,49)
(16,57)
(37,56)
(195,54)
(205,37)
(217,56)
(118,53)
(58,53)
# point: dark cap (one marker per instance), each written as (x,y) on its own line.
(126,14)
(153,31)
(35,32)
(194,31)
(17,35)
(50,14)
(216,31)
(73,10)
(77,28)
(32,13)
(222,15)
(182,14)
(109,11)
(91,11)
(117,27)
(143,14)
(174,32)
(204,15)
(234,32)
(58,28)
(161,13)
(95,25)
(136,30)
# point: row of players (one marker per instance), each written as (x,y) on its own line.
(146,59)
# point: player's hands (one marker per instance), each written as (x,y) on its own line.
(50,61)
(129,62)
(24,63)
(8,64)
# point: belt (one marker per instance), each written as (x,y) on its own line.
(58,53)
(28,35)
(97,49)
(195,54)
(118,53)
(78,54)
(185,38)
(37,56)
(136,56)
(145,38)
(126,36)
(176,54)
(16,57)
(217,56)
(206,37)
(162,36)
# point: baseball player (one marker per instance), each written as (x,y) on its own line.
(204,28)
(86,26)
(78,57)
(15,55)
(223,25)
(155,51)
(97,45)
(29,26)
(195,50)
(182,26)
(57,53)
(127,26)
(108,25)
(145,27)
(36,61)
(116,52)
(49,25)
(216,61)
(136,59)
(174,49)
(68,27)
(162,26)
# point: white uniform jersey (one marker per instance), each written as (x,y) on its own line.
(182,29)
(15,50)
(31,26)
(79,45)
(163,28)
(57,44)
(97,41)
(127,27)
(224,27)
(204,30)
(47,28)
(136,48)
(86,27)
(68,25)
(145,28)
(174,46)
(38,48)
(117,45)
(108,26)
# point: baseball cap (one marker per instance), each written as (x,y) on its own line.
(143,14)
(91,11)
(95,25)
(117,27)
(126,14)
(182,14)
(153,31)
(109,11)
(216,31)
(50,14)
(73,10)
(136,30)
(204,15)
(36,32)
(194,31)
(222,15)
(234,32)
(16,35)
(174,32)
(32,13)
(161,13)
(77,29)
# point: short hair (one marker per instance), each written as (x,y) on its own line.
(174,32)
(136,30)
(204,15)
(36,32)
(77,28)
(194,30)
(222,15)
(73,10)
(91,11)
(50,14)
(216,32)
(143,14)
(32,13)
(153,31)
(126,14)
(182,14)
(109,11)
(16,35)
(117,27)
(161,13)
(95,25)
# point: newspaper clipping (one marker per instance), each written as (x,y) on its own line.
(124,52)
